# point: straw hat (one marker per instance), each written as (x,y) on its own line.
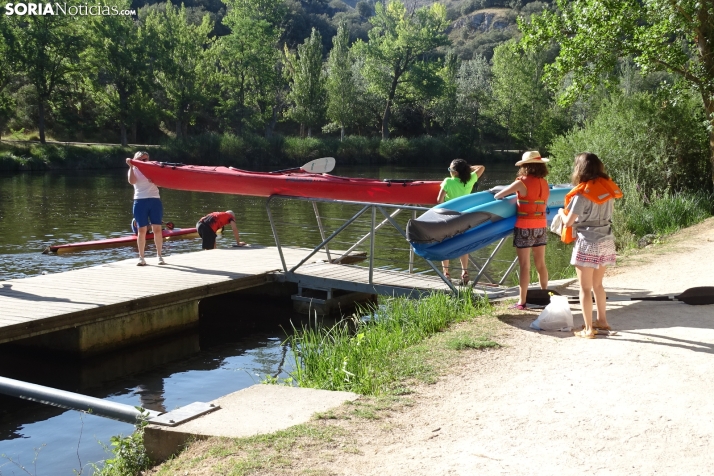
(531,157)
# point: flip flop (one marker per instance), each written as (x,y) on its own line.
(584,335)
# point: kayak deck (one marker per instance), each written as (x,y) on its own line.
(129,240)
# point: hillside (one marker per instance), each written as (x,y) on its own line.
(478,26)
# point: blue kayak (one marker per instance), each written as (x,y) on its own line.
(450,229)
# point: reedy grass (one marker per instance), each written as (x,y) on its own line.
(640,213)
(361,354)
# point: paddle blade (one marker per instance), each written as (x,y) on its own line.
(319,166)
(697,296)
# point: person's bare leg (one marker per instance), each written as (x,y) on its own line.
(539,258)
(464,268)
(524,265)
(141,240)
(158,238)
(445,267)
(585,278)
(600,296)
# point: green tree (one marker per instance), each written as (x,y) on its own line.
(117,60)
(307,82)
(522,103)
(247,59)
(45,49)
(666,35)
(179,54)
(394,55)
(473,96)
(444,107)
(6,101)
(341,87)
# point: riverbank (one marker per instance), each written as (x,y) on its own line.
(543,403)
(248,151)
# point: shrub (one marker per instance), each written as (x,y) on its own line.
(659,144)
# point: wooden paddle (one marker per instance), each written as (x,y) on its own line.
(322,165)
(694,296)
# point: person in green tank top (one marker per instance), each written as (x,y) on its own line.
(463,178)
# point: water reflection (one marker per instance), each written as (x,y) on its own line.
(239,343)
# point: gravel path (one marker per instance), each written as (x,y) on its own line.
(549,403)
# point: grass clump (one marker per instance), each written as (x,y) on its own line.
(130,456)
(463,342)
(367,355)
(657,213)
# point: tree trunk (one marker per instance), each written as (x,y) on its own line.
(709,106)
(122,128)
(178,128)
(41,111)
(123,114)
(385,120)
(133,131)
(342,133)
(309,131)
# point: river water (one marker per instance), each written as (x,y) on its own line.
(223,355)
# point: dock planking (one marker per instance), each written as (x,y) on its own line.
(49,303)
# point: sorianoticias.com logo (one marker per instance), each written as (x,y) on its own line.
(22,9)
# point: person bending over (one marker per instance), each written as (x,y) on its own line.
(209,225)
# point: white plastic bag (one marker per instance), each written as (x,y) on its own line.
(556,316)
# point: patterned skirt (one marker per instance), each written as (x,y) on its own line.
(588,254)
(530,237)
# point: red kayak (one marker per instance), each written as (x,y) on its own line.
(293,183)
(129,240)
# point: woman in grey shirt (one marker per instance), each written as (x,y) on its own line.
(589,213)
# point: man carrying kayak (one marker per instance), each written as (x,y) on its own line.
(209,225)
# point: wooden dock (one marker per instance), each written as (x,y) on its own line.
(93,309)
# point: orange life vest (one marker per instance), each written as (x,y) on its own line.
(531,207)
(598,191)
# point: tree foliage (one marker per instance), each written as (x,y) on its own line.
(341,85)
(46,49)
(667,35)
(399,40)
(523,105)
(179,54)
(307,82)
(117,63)
(247,59)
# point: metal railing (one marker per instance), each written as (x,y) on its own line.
(99,407)
(369,220)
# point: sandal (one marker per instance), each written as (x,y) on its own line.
(519,307)
(448,276)
(597,326)
(585,335)
(464,278)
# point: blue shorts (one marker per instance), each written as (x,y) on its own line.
(148,210)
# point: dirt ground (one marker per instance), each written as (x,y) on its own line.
(636,403)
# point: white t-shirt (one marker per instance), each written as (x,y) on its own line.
(144,188)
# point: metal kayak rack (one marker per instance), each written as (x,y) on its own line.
(373,217)
(103,408)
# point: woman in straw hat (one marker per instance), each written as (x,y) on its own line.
(531,230)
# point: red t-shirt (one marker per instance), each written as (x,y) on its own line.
(217,220)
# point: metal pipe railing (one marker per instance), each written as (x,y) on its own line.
(74,401)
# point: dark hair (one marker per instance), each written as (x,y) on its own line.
(461,167)
(588,167)
(533,170)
